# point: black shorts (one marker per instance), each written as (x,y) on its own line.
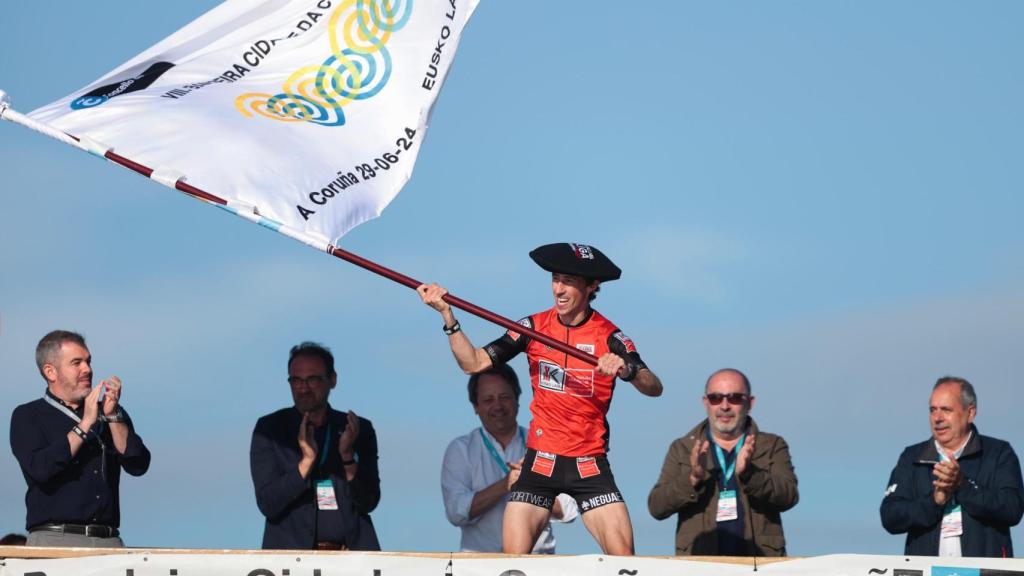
(587,479)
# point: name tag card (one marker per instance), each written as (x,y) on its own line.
(726,506)
(325,498)
(953,522)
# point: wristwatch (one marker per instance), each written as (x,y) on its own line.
(455,328)
(116,417)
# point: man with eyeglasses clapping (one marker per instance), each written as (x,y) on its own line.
(315,468)
(728,481)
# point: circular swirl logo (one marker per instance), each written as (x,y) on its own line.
(358,68)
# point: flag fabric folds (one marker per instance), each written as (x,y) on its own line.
(309,113)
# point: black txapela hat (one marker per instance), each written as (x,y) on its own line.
(577,260)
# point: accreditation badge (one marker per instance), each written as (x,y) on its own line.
(726,506)
(325,498)
(953,522)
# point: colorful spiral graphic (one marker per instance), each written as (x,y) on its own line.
(358,67)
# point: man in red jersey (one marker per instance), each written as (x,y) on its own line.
(568,435)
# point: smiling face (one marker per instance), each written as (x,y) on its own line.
(69,376)
(727,419)
(496,405)
(950,419)
(572,296)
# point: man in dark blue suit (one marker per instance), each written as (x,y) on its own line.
(957,493)
(315,468)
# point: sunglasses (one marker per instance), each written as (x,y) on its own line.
(734,398)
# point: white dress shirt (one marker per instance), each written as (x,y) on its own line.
(468,468)
(950,545)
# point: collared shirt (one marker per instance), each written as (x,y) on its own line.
(950,546)
(468,468)
(79,489)
(731,541)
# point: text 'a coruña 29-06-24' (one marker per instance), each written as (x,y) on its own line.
(366,170)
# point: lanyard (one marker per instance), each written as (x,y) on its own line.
(70,414)
(494,451)
(325,447)
(67,411)
(727,472)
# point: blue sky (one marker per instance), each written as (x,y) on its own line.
(825,195)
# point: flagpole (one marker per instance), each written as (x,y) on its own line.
(464,305)
(176,181)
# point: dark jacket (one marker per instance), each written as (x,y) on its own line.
(990,496)
(768,488)
(289,502)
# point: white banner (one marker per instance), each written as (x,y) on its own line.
(311,112)
(383,564)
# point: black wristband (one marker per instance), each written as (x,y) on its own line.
(79,432)
(455,328)
(633,370)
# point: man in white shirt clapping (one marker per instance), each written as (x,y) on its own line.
(480,467)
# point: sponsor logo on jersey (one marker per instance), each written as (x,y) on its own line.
(630,347)
(515,335)
(588,348)
(574,381)
(550,376)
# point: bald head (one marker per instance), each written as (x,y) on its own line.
(728,373)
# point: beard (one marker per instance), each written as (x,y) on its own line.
(731,427)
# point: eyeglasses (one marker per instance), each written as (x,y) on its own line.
(314,380)
(734,398)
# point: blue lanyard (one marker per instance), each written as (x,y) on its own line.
(720,455)
(494,451)
(325,447)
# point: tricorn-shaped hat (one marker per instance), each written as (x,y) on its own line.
(576,259)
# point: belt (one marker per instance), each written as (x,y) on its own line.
(91,530)
(330,546)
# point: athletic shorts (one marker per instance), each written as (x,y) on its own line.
(587,479)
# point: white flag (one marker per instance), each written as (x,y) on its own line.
(310,112)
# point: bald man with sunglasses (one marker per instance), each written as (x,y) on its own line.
(727,480)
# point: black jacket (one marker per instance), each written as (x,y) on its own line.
(991,496)
(289,502)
